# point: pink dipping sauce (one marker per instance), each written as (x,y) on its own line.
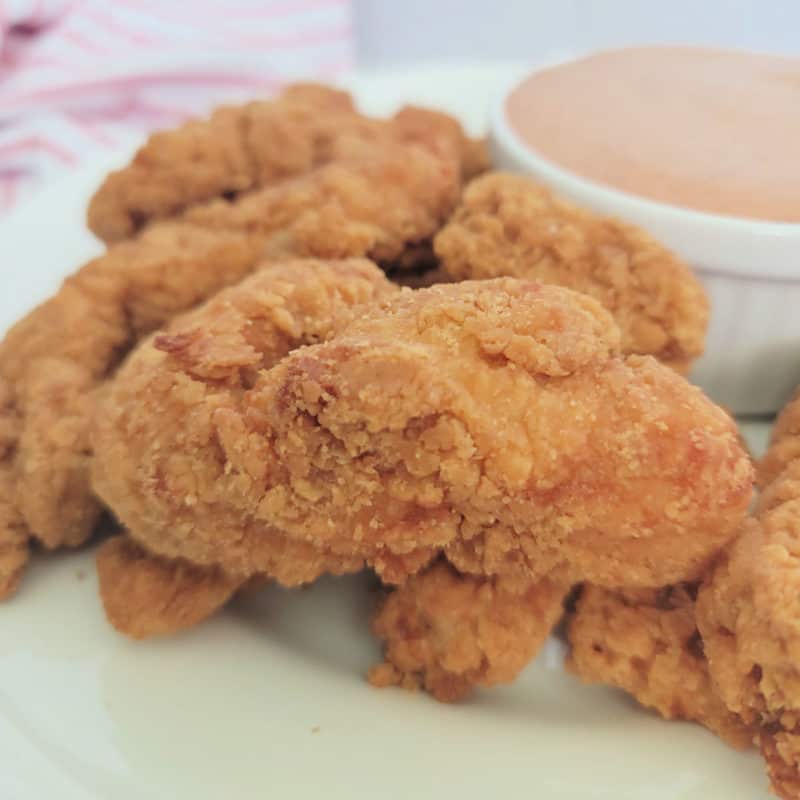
(712,130)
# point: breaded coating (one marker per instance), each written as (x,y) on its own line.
(747,617)
(53,452)
(500,384)
(748,612)
(646,642)
(425,126)
(491,421)
(249,147)
(387,200)
(14,538)
(195,376)
(784,447)
(144,596)
(54,359)
(750,622)
(509,225)
(781,489)
(13,533)
(236,149)
(130,290)
(449,633)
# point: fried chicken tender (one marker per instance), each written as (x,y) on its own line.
(383,203)
(196,374)
(245,148)
(53,361)
(509,225)
(749,618)
(448,632)
(646,642)
(490,421)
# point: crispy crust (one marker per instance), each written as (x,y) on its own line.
(748,613)
(509,225)
(171,434)
(241,149)
(646,642)
(449,633)
(144,596)
(784,445)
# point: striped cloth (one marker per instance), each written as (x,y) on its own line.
(85,75)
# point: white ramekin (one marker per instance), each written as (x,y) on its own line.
(750,268)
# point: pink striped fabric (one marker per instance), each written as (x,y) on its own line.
(78,76)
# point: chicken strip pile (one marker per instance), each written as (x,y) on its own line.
(749,617)
(244,148)
(457,421)
(240,384)
(509,225)
(53,361)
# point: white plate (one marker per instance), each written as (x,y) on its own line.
(268,699)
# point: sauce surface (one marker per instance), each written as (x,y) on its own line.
(712,130)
